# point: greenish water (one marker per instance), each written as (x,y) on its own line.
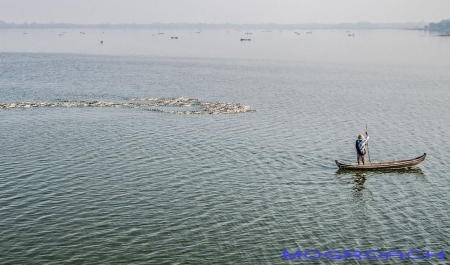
(132,186)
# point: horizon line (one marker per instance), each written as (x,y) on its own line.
(208,23)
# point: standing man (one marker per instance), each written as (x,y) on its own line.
(361,148)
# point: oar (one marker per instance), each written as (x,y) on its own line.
(368,153)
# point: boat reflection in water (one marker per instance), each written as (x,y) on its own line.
(359,177)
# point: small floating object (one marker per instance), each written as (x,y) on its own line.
(61,34)
(383,165)
(248,33)
(174,38)
(246,39)
(101,42)
(160,33)
(351,35)
(82,33)
(25,33)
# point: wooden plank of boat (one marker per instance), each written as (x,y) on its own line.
(383,165)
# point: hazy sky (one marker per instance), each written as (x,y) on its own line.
(223,11)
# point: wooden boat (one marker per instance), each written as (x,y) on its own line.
(383,165)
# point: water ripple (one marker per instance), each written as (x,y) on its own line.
(96,185)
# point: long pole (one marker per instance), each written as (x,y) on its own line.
(368,153)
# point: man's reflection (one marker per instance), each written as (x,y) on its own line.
(359,178)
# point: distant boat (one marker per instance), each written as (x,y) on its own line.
(383,165)
(25,33)
(160,33)
(101,42)
(246,39)
(82,33)
(174,38)
(351,35)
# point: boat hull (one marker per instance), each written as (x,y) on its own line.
(383,165)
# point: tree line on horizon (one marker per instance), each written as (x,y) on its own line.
(442,25)
(230,26)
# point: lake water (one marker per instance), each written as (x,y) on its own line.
(132,186)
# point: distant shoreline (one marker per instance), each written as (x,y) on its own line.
(206,26)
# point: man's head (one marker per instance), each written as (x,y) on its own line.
(361,136)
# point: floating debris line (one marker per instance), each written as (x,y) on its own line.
(201,107)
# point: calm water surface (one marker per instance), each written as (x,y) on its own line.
(131,186)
